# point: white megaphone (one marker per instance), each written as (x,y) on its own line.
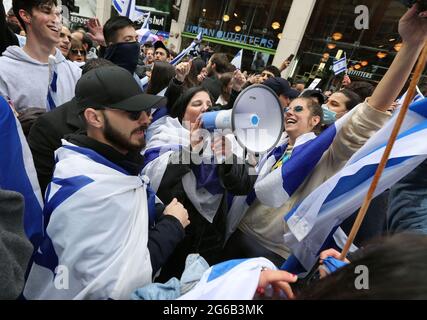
(256,119)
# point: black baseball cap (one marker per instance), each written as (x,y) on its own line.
(114,87)
(160,44)
(281,87)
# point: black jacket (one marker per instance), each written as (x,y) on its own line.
(7,37)
(45,137)
(168,231)
(201,236)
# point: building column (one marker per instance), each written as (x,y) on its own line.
(103,10)
(293,32)
(177,27)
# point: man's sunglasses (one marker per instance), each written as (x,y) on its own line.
(296,109)
(132,115)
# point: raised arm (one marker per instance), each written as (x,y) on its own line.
(413,30)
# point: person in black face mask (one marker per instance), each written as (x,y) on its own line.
(124,55)
(122,43)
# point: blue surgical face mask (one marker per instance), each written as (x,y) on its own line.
(329,117)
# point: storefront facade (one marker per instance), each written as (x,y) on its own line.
(314,30)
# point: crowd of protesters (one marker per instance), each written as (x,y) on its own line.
(113,129)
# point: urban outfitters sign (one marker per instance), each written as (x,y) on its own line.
(232,36)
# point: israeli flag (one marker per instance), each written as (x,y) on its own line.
(230,280)
(316,219)
(18,172)
(237,60)
(202,185)
(144,33)
(340,65)
(183,53)
(128,9)
(418,96)
(96,222)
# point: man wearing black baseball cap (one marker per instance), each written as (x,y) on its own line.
(161,53)
(107,210)
(115,109)
(283,90)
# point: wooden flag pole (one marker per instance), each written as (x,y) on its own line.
(411,94)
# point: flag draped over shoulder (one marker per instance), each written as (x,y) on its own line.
(96,231)
(274,187)
(230,280)
(166,135)
(17,171)
(315,219)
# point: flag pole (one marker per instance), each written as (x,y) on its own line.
(346,64)
(411,94)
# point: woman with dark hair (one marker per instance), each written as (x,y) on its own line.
(297,168)
(182,165)
(196,75)
(160,76)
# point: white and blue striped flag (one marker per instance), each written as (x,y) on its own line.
(315,220)
(96,217)
(230,280)
(144,33)
(183,53)
(340,65)
(237,60)
(128,9)
(202,185)
(18,173)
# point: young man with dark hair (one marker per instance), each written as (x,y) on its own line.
(46,133)
(37,75)
(108,231)
(122,43)
(217,65)
(161,53)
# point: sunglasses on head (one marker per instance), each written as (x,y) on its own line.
(296,109)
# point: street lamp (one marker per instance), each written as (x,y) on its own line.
(275,25)
(337,36)
(381,55)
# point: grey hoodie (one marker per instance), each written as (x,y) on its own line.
(25,80)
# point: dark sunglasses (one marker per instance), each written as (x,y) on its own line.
(296,109)
(78,51)
(132,115)
(135,115)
